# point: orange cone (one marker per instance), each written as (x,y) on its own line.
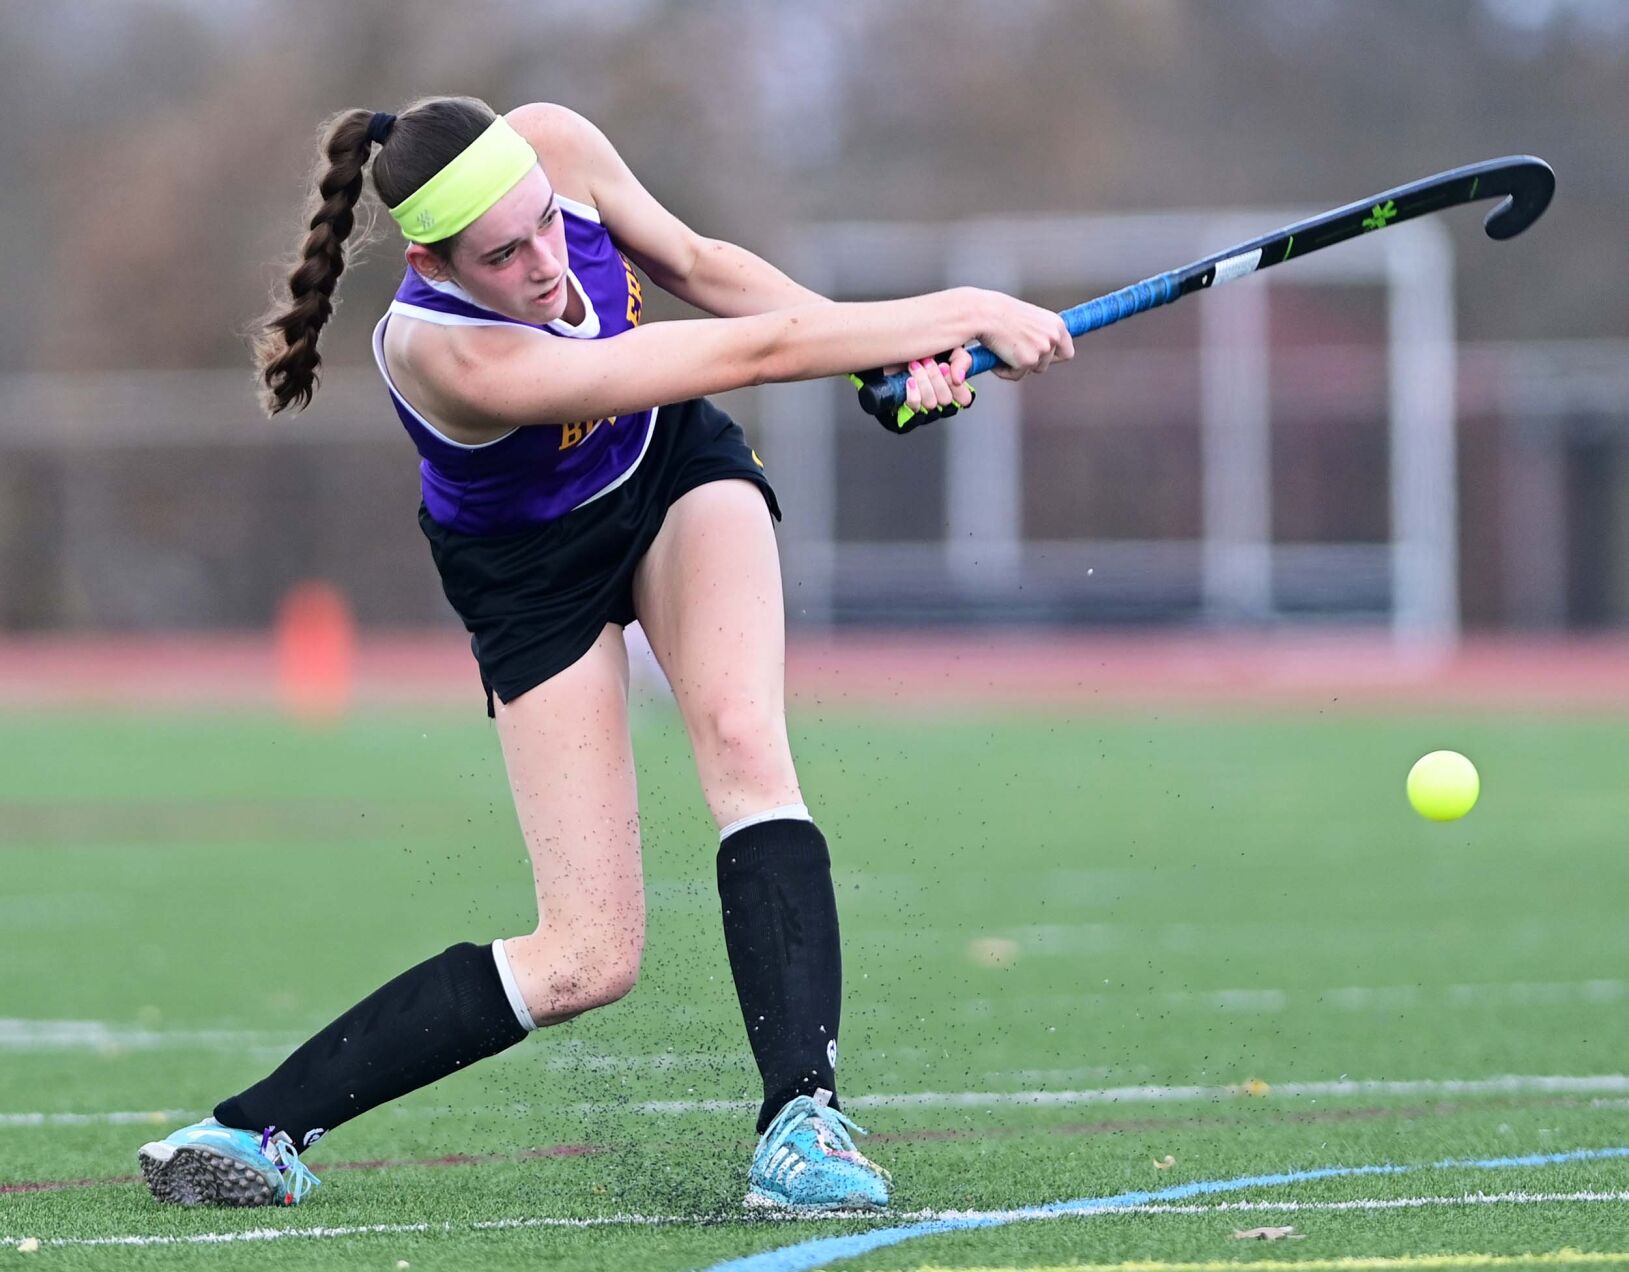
(316,652)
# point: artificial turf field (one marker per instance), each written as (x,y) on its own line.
(1074,946)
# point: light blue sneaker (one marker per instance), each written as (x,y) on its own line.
(806,1160)
(207,1164)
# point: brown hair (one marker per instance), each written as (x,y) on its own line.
(424,139)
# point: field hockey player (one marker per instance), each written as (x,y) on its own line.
(575,479)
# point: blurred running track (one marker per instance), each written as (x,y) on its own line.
(916,669)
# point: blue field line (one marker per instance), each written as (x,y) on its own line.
(819,1251)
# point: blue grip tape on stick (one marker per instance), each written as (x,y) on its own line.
(1151,293)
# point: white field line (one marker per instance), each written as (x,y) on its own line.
(1352,998)
(608,1221)
(156,1116)
(19,1035)
(1513,1084)
(97,1035)
(1606,1084)
(1381,1203)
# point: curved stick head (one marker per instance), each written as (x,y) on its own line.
(1530,183)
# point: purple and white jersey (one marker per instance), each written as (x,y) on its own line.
(542,471)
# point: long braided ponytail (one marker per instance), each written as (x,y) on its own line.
(286,355)
(429,135)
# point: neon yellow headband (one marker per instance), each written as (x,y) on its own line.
(483,173)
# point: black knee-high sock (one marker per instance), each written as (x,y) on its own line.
(448,1012)
(780,927)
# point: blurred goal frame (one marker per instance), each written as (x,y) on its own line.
(982,551)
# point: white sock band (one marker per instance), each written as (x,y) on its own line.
(506,974)
(786,812)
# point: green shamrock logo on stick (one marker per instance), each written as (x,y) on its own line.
(1381,215)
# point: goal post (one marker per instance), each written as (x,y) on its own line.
(980,562)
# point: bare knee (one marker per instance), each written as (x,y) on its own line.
(560,978)
(574,986)
(748,736)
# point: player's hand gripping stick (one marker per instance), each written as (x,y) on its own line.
(904,417)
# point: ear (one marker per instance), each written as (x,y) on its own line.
(427,263)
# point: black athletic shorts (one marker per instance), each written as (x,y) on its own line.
(535,601)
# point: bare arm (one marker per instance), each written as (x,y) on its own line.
(495,378)
(730,281)
(711,274)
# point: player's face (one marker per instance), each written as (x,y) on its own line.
(512,258)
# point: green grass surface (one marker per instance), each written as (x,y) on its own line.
(1173,900)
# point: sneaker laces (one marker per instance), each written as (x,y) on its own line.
(279,1150)
(834,1131)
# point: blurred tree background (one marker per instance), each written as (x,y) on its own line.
(159,152)
(156,163)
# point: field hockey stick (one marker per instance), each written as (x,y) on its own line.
(1524,183)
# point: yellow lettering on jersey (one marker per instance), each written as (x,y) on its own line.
(575,434)
(572,434)
(636,294)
